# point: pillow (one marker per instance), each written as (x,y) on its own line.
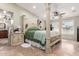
(33,28)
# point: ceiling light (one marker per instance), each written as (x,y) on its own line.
(4,11)
(73,9)
(44,15)
(34,7)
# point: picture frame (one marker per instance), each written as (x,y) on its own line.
(2,25)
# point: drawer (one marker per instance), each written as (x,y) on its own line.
(14,39)
(21,38)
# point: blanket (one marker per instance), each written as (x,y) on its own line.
(40,35)
(34,34)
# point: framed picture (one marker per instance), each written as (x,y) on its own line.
(2,25)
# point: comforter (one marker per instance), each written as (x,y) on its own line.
(34,34)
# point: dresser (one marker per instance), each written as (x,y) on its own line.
(3,34)
(17,39)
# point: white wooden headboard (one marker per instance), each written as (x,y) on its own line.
(30,22)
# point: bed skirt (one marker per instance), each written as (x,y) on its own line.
(35,44)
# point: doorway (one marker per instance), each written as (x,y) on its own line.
(68,29)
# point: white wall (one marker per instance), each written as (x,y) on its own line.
(18,12)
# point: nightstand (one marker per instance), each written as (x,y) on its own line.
(17,39)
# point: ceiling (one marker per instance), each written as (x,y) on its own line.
(38,9)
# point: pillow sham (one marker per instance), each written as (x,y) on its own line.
(33,28)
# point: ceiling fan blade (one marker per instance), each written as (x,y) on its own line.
(62,13)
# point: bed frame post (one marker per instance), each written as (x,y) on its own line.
(48,9)
(60,26)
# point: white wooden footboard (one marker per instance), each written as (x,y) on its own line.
(54,40)
(51,42)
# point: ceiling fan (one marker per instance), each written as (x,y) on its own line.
(56,13)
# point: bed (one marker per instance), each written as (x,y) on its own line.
(37,37)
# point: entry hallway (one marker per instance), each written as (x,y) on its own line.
(65,48)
